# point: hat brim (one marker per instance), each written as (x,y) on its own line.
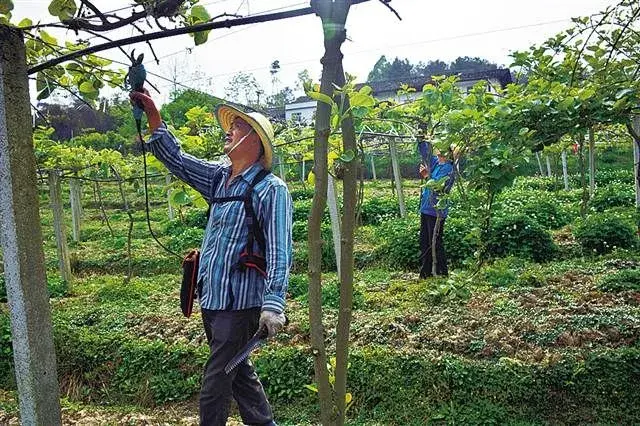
(227,113)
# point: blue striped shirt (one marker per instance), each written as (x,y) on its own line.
(223,286)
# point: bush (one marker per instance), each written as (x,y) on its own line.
(298,285)
(188,239)
(520,236)
(301,253)
(601,233)
(56,287)
(301,210)
(460,240)
(299,230)
(613,195)
(302,194)
(628,279)
(331,295)
(379,209)
(399,244)
(542,206)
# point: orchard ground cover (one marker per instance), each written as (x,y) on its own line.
(526,337)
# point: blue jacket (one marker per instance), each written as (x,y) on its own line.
(429,198)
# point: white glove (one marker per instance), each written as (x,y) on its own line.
(272,321)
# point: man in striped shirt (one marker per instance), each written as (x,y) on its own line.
(235,302)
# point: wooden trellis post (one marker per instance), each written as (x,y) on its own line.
(565,174)
(55,194)
(396,176)
(23,256)
(75,190)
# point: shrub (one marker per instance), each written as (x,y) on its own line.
(601,233)
(56,286)
(298,285)
(301,253)
(460,239)
(302,194)
(301,210)
(331,295)
(542,206)
(627,279)
(379,209)
(520,236)
(399,245)
(299,230)
(188,239)
(613,195)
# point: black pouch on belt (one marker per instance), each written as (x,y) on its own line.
(189,281)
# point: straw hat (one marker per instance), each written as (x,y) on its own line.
(260,124)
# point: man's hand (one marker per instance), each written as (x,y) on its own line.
(423,171)
(149,107)
(272,321)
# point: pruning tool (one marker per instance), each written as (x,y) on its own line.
(135,79)
(257,340)
(425,153)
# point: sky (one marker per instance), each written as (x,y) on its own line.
(429,30)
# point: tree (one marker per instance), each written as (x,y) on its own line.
(469,64)
(175,111)
(244,88)
(281,98)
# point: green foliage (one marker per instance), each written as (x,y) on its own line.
(602,232)
(98,141)
(299,230)
(613,195)
(6,352)
(542,206)
(623,280)
(183,100)
(331,294)
(56,287)
(301,253)
(301,194)
(188,239)
(521,236)
(376,210)
(460,239)
(298,285)
(399,244)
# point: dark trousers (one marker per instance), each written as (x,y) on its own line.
(427,229)
(227,333)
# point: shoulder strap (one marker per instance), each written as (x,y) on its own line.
(255,230)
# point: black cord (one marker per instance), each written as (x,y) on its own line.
(146,192)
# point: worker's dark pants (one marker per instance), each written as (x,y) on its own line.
(427,228)
(227,333)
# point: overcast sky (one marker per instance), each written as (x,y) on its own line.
(428,30)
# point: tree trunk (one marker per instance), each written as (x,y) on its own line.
(592,163)
(349,201)
(565,174)
(333,16)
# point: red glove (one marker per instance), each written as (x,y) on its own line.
(149,107)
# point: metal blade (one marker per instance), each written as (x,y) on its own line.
(257,340)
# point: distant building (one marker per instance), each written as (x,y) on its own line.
(303,109)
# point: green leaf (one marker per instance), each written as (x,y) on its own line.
(199,14)
(26,22)
(87,87)
(180,198)
(6,6)
(624,92)
(312,388)
(321,97)
(200,37)
(63,9)
(348,156)
(41,82)
(44,94)
(47,38)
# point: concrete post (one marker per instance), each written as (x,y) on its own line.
(636,159)
(396,176)
(26,282)
(332,202)
(373,168)
(167,180)
(592,162)
(75,190)
(565,174)
(55,195)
